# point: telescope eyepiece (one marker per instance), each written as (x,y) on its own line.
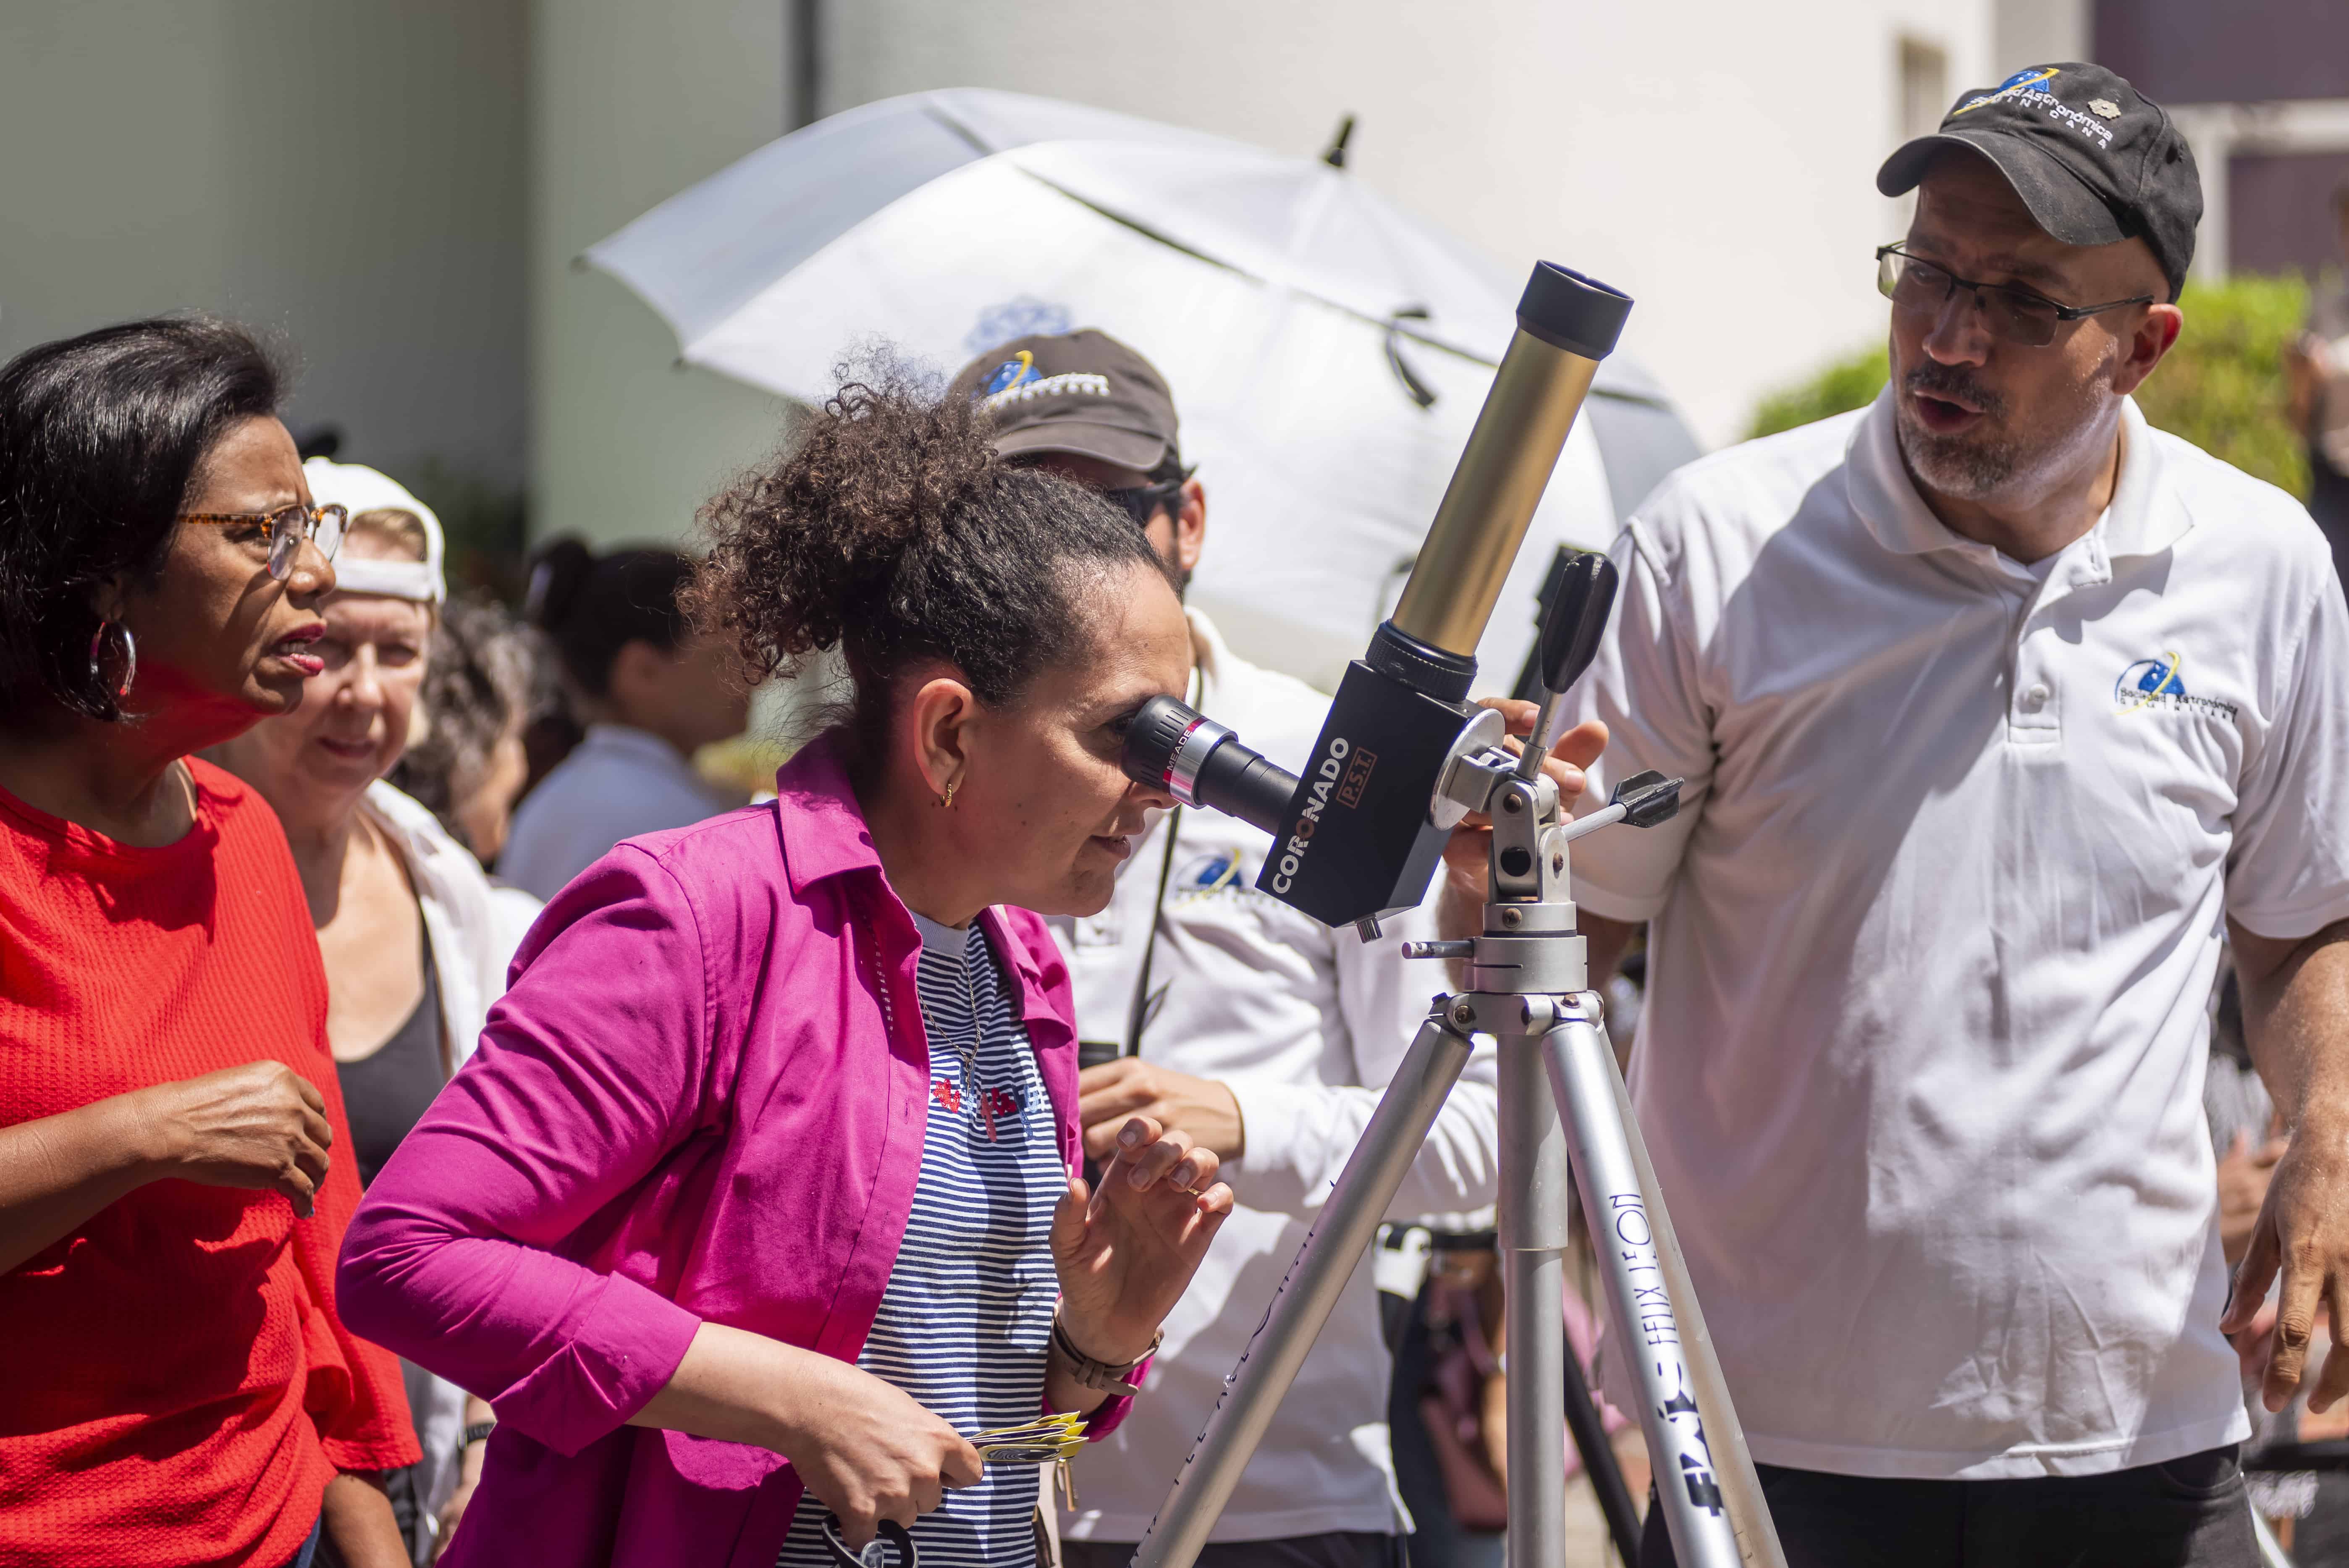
(1173,747)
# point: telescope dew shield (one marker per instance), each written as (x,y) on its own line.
(1567,323)
(1356,840)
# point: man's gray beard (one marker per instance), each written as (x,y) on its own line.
(1993,466)
(1964,467)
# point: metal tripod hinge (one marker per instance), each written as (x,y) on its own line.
(1562,1105)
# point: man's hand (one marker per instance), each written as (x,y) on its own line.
(2304,1229)
(1467,855)
(2244,1174)
(1203,1107)
(2295,1011)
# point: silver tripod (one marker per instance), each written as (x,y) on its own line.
(1562,1102)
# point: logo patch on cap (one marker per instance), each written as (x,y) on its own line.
(2033,79)
(1028,386)
(2105,107)
(1020,366)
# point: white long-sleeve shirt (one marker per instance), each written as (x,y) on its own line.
(1305,1026)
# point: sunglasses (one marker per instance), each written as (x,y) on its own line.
(1143,502)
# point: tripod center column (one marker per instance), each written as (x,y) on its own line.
(1533,1219)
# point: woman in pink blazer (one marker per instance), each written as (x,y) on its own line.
(761,1195)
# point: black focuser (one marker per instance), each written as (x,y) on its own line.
(1577,618)
(1170,747)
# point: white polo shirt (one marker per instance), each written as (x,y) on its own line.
(1305,1026)
(1932,935)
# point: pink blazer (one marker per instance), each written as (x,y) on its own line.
(703,1098)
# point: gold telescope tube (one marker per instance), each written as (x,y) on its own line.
(1565,323)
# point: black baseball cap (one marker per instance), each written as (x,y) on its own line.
(2095,161)
(1083,393)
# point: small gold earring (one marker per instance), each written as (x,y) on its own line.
(948,799)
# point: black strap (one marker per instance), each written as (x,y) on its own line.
(890,1530)
(1144,1006)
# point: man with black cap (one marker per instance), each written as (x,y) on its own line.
(1998,710)
(1270,1036)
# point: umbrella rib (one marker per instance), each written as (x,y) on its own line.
(960,130)
(1170,243)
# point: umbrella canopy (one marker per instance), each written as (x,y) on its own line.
(1328,351)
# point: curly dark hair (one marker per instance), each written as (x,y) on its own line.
(893,532)
(102,437)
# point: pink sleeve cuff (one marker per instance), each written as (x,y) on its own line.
(624,1345)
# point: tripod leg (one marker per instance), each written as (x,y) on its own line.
(1534,1231)
(1324,1264)
(1647,1330)
(1741,1485)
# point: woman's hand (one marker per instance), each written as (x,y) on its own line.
(867,1451)
(1126,1252)
(1466,854)
(261,1126)
(862,1448)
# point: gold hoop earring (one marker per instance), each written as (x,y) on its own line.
(948,799)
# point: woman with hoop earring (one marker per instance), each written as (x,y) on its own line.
(173,1186)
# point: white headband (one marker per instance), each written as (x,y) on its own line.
(359,488)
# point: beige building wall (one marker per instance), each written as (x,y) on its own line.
(347,174)
(630,104)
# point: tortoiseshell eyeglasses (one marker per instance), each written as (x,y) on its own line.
(280,533)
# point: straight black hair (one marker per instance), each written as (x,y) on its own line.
(102,437)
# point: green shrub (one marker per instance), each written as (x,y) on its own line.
(2221,387)
(1851,382)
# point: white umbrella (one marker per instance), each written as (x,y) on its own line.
(1328,351)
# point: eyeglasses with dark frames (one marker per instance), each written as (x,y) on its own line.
(1144,501)
(282,531)
(2015,315)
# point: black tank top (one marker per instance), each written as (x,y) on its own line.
(386,1091)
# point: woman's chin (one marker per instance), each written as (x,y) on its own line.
(271,692)
(1086,892)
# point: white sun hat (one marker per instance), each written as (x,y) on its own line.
(359,488)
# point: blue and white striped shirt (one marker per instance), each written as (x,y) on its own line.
(967,1315)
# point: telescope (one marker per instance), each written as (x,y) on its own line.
(1355,841)
(1401,761)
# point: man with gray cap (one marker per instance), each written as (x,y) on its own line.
(1999,710)
(1270,1036)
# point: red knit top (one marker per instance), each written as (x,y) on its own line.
(175,1388)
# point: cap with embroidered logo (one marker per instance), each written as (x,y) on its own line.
(2095,161)
(1081,394)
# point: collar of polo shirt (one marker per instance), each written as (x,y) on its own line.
(2144,518)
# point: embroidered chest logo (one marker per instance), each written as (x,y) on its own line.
(985,1107)
(2157,685)
(1221,872)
